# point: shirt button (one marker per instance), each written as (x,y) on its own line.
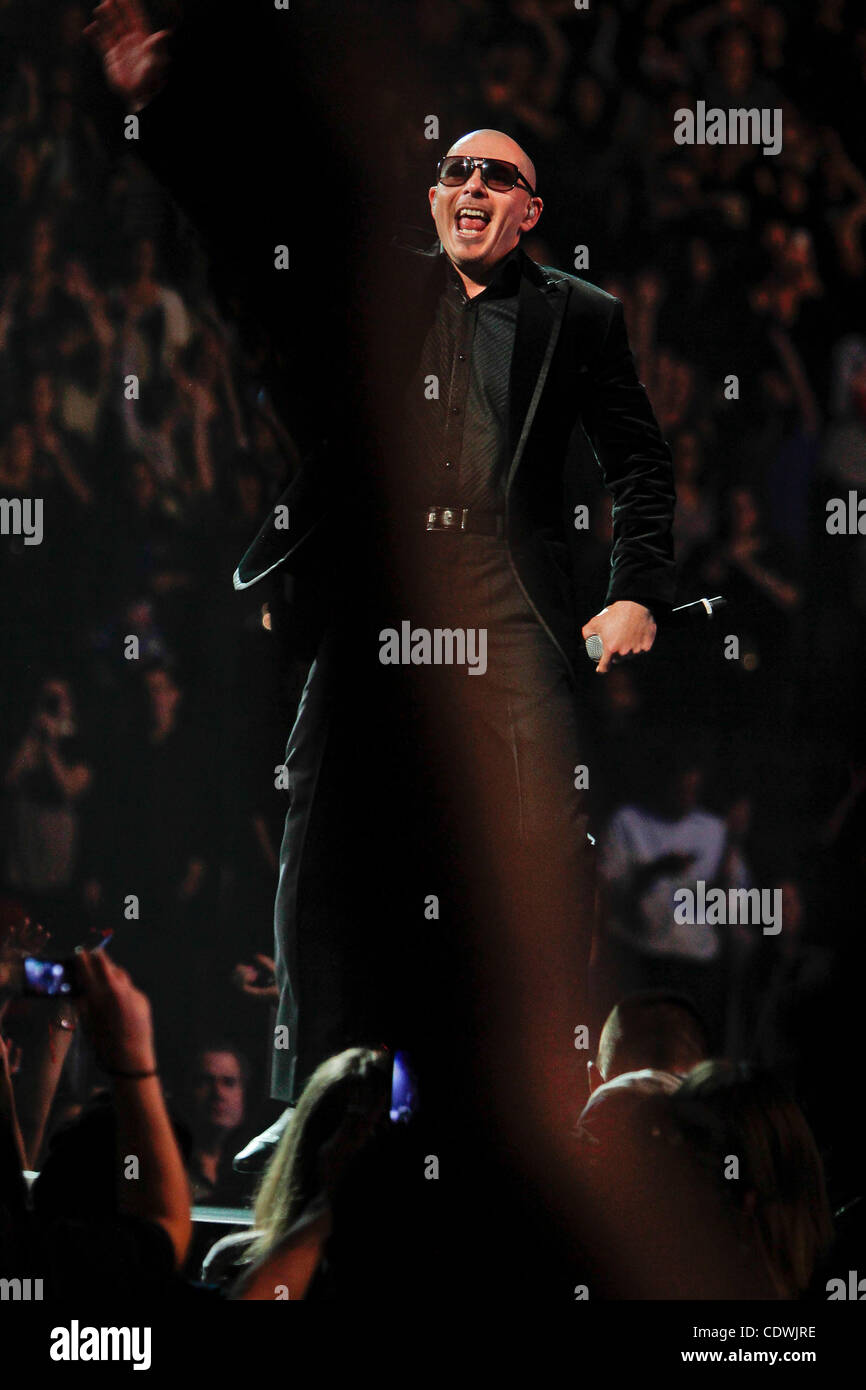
(461,357)
(455,410)
(447,463)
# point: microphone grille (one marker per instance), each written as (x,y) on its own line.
(594,647)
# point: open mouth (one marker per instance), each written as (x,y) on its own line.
(471,222)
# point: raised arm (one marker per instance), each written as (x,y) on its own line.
(134,57)
(117,1017)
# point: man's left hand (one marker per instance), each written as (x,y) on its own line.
(625,628)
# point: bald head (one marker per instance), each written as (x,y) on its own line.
(496,145)
(654,1029)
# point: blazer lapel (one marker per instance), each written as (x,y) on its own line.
(540,311)
(413,305)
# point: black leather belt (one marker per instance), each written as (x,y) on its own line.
(465,519)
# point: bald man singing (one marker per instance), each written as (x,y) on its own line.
(483,203)
(492,367)
(432,760)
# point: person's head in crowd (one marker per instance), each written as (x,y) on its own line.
(77,1176)
(658,1030)
(218,1086)
(507,73)
(140,619)
(791,941)
(702,264)
(679,185)
(620,290)
(649,289)
(774,241)
(800,260)
(743,512)
(588,102)
(144,259)
(164,696)
(733,1115)
(41,249)
(688,456)
(735,56)
(739,815)
(54,708)
(794,194)
(342,1108)
(142,484)
(43,399)
(139,615)
(61,114)
(17,463)
(777,392)
(26,168)
(688,784)
(772,29)
(250,492)
(680,793)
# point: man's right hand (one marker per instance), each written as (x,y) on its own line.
(135,61)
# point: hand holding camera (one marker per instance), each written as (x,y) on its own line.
(115,1015)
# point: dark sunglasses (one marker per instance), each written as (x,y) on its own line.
(499,174)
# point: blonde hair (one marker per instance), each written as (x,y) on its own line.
(340,1107)
(725,1110)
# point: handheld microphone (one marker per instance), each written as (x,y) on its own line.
(707,606)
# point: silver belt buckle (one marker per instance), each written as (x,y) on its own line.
(447,518)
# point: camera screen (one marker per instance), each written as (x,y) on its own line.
(46,976)
(403,1088)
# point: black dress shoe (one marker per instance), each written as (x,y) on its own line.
(257,1154)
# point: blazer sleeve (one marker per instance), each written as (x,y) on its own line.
(293,522)
(636,465)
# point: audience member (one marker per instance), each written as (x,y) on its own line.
(653,1029)
(756,1146)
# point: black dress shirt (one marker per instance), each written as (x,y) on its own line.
(457,406)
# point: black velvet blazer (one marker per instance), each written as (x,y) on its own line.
(574,395)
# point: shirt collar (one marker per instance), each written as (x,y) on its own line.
(503,282)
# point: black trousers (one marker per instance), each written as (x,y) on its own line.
(411,790)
